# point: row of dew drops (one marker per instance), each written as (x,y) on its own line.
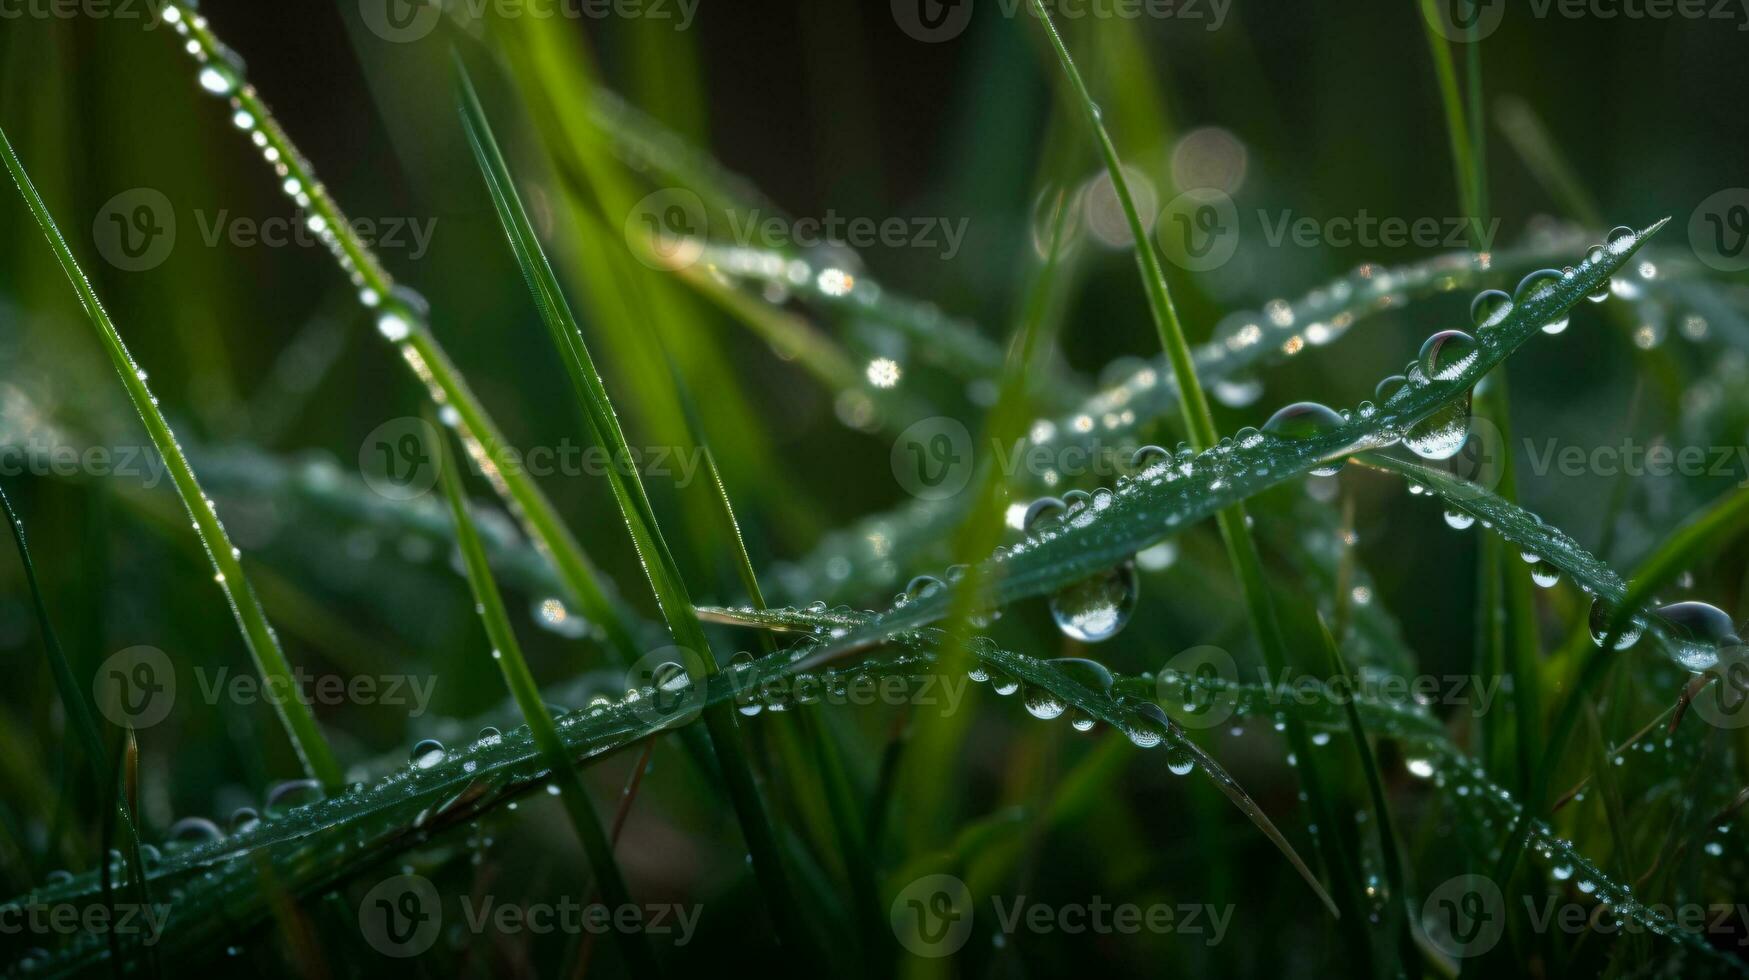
(1098,607)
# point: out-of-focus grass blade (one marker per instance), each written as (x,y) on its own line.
(508,653)
(300,725)
(639,517)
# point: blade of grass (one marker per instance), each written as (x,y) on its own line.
(508,653)
(658,564)
(300,725)
(406,325)
(1199,423)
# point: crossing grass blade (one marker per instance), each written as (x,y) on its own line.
(604,431)
(508,653)
(300,725)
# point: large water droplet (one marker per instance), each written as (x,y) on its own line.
(427,753)
(292,793)
(1042,702)
(1306,420)
(1099,606)
(1447,354)
(1179,759)
(1442,434)
(1601,613)
(1489,307)
(1390,388)
(193,830)
(1090,674)
(1698,631)
(1458,520)
(1535,286)
(1148,725)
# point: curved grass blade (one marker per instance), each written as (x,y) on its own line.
(1169,496)
(300,726)
(402,320)
(640,519)
(508,653)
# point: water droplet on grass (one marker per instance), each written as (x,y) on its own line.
(1099,606)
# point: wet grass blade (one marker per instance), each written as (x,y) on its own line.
(1199,423)
(300,725)
(640,519)
(404,323)
(508,653)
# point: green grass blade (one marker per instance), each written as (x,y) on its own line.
(640,519)
(508,653)
(1163,499)
(405,325)
(300,726)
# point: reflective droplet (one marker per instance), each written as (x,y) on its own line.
(1536,285)
(1041,702)
(1458,520)
(429,752)
(1041,509)
(1447,354)
(1601,613)
(1090,674)
(1179,759)
(292,793)
(1390,388)
(1698,631)
(1442,434)
(1097,607)
(244,819)
(193,830)
(1306,420)
(1489,307)
(1544,574)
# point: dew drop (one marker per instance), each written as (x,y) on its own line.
(1099,606)
(427,753)
(1442,434)
(1179,759)
(244,819)
(1447,354)
(292,793)
(1041,702)
(1544,574)
(1306,420)
(1599,619)
(1489,307)
(1458,520)
(1536,285)
(193,830)
(216,80)
(1698,631)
